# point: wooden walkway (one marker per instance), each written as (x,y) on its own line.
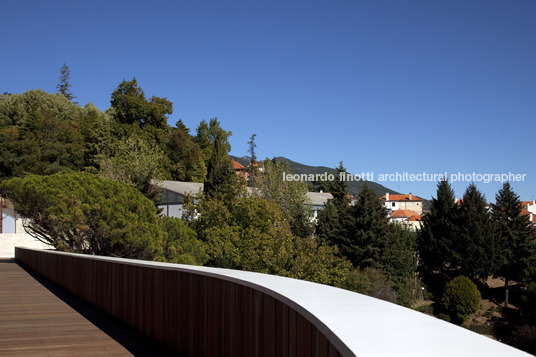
(39,318)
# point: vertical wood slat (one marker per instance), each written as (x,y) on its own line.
(192,313)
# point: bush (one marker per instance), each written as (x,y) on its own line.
(371,282)
(461,298)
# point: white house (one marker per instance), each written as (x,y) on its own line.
(402,202)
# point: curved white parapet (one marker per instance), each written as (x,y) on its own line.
(357,325)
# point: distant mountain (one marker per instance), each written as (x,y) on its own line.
(354,187)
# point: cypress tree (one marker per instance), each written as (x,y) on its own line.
(516,248)
(220,182)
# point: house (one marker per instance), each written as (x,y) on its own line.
(12,232)
(529,206)
(532,216)
(402,202)
(402,215)
(407,218)
(243,171)
(8,218)
(239,169)
(317,201)
(173,194)
(414,223)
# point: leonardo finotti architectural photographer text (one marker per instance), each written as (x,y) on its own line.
(409,177)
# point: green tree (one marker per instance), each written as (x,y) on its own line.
(39,134)
(96,131)
(64,86)
(253,164)
(186,158)
(436,238)
(203,140)
(131,107)
(399,262)
(370,232)
(475,243)
(516,257)
(181,244)
(221,181)
(135,162)
(335,221)
(83,213)
(253,234)
(290,196)
(371,282)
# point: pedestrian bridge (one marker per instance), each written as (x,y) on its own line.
(201,311)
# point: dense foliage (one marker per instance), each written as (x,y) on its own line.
(84,213)
(251,233)
(364,235)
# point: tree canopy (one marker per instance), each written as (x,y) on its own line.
(83,213)
(131,107)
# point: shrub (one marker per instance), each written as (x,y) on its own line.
(461,298)
(371,282)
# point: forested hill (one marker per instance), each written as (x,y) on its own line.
(353,187)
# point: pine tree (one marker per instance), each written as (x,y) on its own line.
(252,167)
(516,248)
(435,240)
(370,232)
(64,86)
(335,221)
(339,187)
(475,243)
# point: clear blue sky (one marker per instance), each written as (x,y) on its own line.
(384,86)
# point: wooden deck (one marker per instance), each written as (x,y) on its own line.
(39,318)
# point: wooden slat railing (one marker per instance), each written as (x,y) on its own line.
(198,313)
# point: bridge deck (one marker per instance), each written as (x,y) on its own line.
(39,318)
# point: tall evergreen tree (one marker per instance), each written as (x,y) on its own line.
(252,157)
(335,220)
(435,240)
(516,256)
(475,243)
(64,87)
(371,231)
(221,181)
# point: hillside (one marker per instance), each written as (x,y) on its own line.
(353,187)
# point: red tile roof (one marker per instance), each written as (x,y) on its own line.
(524,204)
(524,212)
(416,218)
(401,198)
(403,213)
(237,166)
